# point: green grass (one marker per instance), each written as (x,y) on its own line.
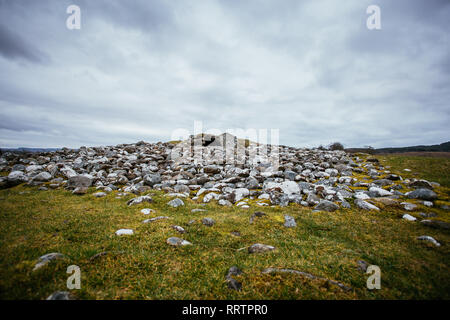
(143,266)
(431,169)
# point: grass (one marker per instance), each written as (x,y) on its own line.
(429,168)
(143,266)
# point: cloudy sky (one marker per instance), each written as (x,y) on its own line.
(138,70)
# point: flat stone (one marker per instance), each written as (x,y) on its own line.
(121,232)
(365,205)
(47,258)
(155,219)
(179,229)
(177,242)
(259,248)
(409,217)
(325,205)
(430,239)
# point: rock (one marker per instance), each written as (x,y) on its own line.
(289,175)
(224,202)
(208,222)
(289,222)
(139,200)
(257,214)
(155,219)
(198,210)
(42,177)
(80,190)
(365,205)
(177,242)
(437,224)
(361,196)
(409,206)
(79,181)
(383,182)
(152,179)
(176,203)
(147,211)
(212,169)
(427,214)
(290,187)
(428,203)
(325,205)
(423,194)
(362,265)
(259,248)
(181,188)
(99,194)
(421,184)
(179,229)
(239,194)
(17,177)
(122,232)
(61,295)
(47,258)
(378,192)
(430,239)
(409,217)
(233,283)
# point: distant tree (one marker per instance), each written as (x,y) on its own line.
(336,146)
(370,149)
(321,147)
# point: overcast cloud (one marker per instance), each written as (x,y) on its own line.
(137,70)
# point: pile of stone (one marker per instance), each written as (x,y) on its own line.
(221,168)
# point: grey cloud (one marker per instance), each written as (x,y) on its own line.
(137,70)
(12,46)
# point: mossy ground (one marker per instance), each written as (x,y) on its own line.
(143,266)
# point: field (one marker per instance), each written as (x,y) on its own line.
(143,266)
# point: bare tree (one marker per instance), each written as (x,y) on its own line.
(336,146)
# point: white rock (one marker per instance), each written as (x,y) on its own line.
(361,195)
(147,211)
(379,192)
(431,239)
(121,232)
(290,187)
(409,217)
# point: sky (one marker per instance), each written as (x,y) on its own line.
(141,69)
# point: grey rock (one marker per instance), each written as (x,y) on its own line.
(47,258)
(289,222)
(152,179)
(79,181)
(176,203)
(208,222)
(259,248)
(233,283)
(325,205)
(177,242)
(155,219)
(61,295)
(423,194)
(139,200)
(365,205)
